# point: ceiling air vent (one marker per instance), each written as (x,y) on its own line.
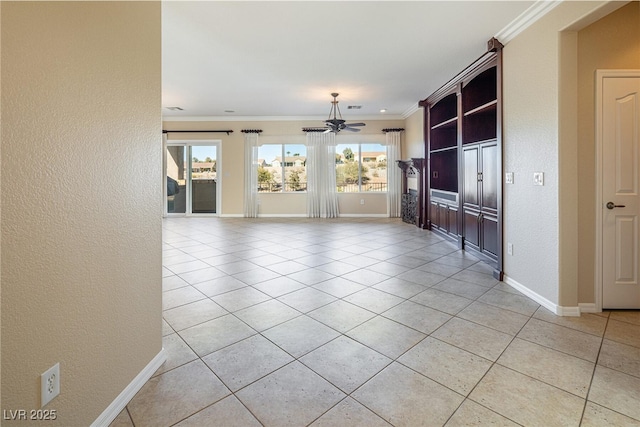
(354,107)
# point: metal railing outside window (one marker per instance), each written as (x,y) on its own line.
(276,187)
(355,188)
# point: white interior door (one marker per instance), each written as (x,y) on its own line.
(620,127)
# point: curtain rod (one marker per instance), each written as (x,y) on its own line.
(197,131)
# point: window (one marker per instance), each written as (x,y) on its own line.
(282,168)
(361,168)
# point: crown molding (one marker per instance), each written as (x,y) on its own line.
(271,118)
(239,118)
(409,111)
(526,19)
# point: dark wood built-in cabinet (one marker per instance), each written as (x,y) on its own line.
(479,199)
(463,137)
(442,130)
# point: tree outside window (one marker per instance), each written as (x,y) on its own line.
(281,171)
(361,168)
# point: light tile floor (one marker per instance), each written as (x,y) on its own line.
(369,322)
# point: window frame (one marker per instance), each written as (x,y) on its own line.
(359,144)
(283,168)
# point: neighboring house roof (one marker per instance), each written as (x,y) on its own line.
(203,165)
(291,159)
(373,154)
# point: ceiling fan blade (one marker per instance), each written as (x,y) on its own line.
(328,130)
(347,128)
(356,124)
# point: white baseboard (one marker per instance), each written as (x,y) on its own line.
(568,311)
(588,307)
(551,306)
(112,411)
(304,215)
(364,216)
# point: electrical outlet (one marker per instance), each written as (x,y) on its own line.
(362,201)
(50,384)
(510,248)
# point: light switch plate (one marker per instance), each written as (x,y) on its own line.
(538,178)
(508,177)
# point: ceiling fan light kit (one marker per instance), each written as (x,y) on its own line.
(335,124)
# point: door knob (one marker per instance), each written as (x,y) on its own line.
(611,205)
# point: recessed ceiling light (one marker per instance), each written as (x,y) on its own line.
(384,110)
(229,111)
(175,108)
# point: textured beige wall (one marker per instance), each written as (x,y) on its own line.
(283,204)
(567,170)
(351,204)
(81,225)
(532,139)
(610,43)
(413,143)
(232,148)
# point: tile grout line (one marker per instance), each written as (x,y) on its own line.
(381,314)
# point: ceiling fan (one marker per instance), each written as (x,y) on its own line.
(336,124)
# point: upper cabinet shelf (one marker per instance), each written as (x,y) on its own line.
(451,123)
(480,91)
(445,136)
(482,108)
(443,120)
(480,124)
(479,107)
(444,110)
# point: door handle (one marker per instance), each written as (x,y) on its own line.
(612,205)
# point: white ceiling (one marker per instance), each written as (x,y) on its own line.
(270,59)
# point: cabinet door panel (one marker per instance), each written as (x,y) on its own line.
(489,236)
(444,216)
(489,171)
(435,217)
(471,183)
(453,220)
(471,229)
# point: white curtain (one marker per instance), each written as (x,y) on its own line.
(394,174)
(322,196)
(250,175)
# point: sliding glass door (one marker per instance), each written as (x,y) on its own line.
(204,178)
(176,172)
(191,177)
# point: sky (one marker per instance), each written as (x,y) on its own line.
(201,152)
(270,152)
